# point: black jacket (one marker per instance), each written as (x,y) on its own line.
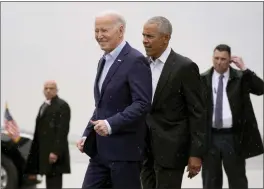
(177,120)
(241,84)
(51,135)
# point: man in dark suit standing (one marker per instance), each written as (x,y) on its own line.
(234,134)
(176,122)
(122,93)
(49,153)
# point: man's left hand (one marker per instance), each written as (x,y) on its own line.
(194,166)
(238,62)
(100,127)
(53,158)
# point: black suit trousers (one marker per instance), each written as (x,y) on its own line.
(223,152)
(154,175)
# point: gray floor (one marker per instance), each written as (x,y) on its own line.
(79,163)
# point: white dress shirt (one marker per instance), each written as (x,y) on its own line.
(156,68)
(227,114)
(47,102)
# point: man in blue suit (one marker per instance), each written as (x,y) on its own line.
(123,94)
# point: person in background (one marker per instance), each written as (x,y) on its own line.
(234,134)
(49,153)
(177,120)
(122,93)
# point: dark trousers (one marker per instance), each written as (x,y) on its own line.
(155,176)
(105,174)
(222,153)
(54,181)
(147,175)
(161,178)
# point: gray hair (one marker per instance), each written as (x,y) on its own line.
(164,25)
(120,20)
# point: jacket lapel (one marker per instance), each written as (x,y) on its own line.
(118,61)
(47,110)
(231,88)
(209,89)
(96,87)
(164,76)
(44,110)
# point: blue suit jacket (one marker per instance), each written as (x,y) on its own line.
(124,101)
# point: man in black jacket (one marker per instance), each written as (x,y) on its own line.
(177,120)
(49,154)
(234,134)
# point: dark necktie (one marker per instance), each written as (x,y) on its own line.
(219,104)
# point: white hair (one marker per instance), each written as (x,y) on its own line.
(119,18)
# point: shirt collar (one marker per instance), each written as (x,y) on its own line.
(114,53)
(164,56)
(47,102)
(226,74)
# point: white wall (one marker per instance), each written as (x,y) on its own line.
(48,40)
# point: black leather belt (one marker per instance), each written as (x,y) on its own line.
(222,131)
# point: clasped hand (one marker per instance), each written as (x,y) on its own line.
(100,127)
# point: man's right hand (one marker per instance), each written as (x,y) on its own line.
(80,144)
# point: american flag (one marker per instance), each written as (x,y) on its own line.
(11,126)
